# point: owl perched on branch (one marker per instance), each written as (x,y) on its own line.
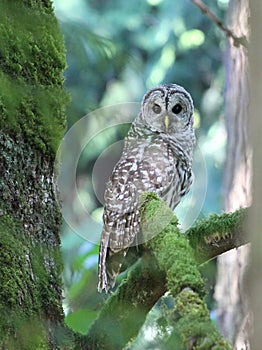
(157,157)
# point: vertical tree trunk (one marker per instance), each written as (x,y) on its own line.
(230,294)
(255,219)
(31,125)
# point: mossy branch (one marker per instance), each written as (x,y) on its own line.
(175,257)
(125,311)
(193,323)
(217,234)
(168,263)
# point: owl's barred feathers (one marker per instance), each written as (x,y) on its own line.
(157,157)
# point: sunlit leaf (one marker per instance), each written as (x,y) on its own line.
(191,39)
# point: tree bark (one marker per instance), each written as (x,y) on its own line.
(230,293)
(31,125)
(255,217)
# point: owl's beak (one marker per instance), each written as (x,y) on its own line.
(166,122)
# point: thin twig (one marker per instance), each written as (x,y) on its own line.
(237,40)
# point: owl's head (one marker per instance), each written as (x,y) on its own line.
(168,108)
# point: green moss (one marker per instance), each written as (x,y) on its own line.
(30,256)
(30,276)
(32,60)
(222,225)
(32,123)
(175,257)
(13,264)
(217,234)
(170,248)
(125,311)
(194,325)
(18,291)
(156,216)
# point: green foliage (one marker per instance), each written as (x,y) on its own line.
(117,49)
(81,320)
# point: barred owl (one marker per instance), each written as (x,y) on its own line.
(157,157)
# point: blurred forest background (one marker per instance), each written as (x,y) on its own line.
(117,50)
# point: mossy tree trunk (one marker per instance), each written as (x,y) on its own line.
(32,122)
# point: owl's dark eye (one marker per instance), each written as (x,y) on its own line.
(156,109)
(177,108)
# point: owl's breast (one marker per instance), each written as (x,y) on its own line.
(144,166)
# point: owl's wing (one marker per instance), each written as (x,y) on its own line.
(135,173)
(117,235)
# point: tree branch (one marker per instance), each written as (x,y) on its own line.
(237,40)
(217,234)
(168,264)
(125,311)
(175,257)
(193,324)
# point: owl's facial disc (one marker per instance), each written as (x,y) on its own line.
(167,109)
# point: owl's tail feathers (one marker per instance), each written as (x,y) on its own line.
(110,261)
(108,272)
(113,264)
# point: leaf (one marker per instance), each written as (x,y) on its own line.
(81,320)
